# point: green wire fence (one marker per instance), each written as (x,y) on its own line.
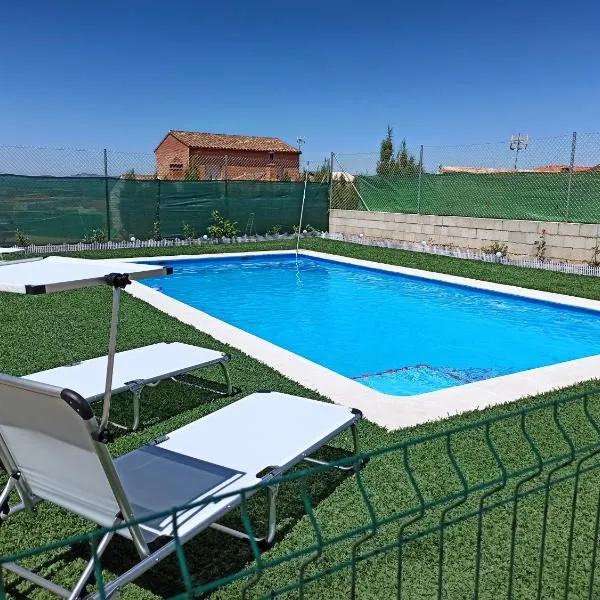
(545,179)
(507,506)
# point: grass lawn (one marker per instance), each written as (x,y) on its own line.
(41,332)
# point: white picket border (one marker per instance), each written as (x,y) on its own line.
(531,263)
(547,265)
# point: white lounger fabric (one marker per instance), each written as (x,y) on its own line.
(261,430)
(12,250)
(51,443)
(265,429)
(53,449)
(56,273)
(145,365)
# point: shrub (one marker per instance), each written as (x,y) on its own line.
(188,231)
(221,227)
(95,236)
(495,247)
(275,230)
(306,229)
(344,194)
(540,246)
(22,239)
(595,262)
(155,234)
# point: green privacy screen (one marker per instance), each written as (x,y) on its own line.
(49,209)
(529,196)
(53,209)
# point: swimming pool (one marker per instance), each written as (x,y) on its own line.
(395,333)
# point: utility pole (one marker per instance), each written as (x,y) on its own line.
(518,142)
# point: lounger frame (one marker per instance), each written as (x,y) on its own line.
(136,386)
(125,517)
(39,275)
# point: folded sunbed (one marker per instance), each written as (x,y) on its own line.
(133,370)
(54,449)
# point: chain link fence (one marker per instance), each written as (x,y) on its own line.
(69,195)
(547,179)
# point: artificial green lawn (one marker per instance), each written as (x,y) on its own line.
(40,332)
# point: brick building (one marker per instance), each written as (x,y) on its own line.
(197,155)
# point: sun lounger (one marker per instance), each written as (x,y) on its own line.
(11,250)
(133,370)
(54,449)
(33,276)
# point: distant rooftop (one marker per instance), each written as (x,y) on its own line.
(489,170)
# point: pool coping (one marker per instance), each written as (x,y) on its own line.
(391,412)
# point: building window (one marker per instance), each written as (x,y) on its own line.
(176,166)
(271,156)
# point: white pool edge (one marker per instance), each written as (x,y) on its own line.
(391,412)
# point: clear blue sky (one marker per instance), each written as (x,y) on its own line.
(120,74)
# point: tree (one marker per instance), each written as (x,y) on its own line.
(321,175)
(403,157)
(386,154)
(413,166)
(407,163)
(129,174)
(394,165)
(344,193)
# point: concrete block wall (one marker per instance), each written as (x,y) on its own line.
(571,242)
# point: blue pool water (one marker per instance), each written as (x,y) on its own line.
(398,334)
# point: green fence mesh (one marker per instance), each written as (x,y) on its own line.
(504,507)
(532,196)
(51,209)
(66,209)
(547,179)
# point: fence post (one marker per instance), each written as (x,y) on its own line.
(330,179)
(158,199)
(420,177)
(571,165)
(226,186)
(106,195)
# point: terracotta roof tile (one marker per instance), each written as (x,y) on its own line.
(225,141)
(565,168)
